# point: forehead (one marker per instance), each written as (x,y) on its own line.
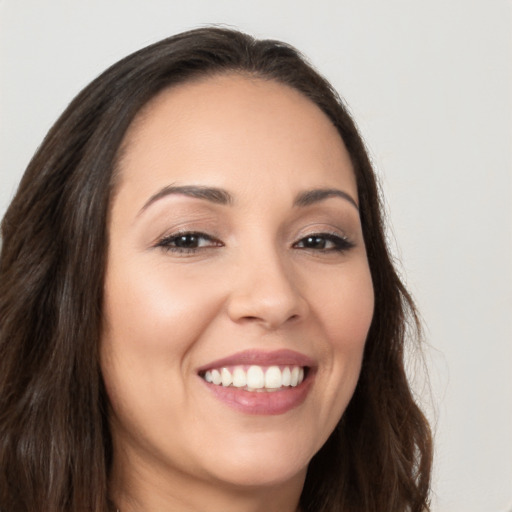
(225,128)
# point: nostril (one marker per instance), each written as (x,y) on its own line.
(249,318)
(264,319)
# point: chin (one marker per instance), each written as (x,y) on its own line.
(267,475)
(263,463)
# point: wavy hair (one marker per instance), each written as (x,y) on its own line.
(55,445)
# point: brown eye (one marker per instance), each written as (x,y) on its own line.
(324,242)
(188,242)
(314,242)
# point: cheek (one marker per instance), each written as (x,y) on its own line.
(152,319)
(345,313)
(346,307)
(155,310)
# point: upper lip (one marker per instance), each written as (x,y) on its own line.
(261,358)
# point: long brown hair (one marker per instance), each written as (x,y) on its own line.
(55,446)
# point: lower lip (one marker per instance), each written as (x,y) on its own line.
(262,402)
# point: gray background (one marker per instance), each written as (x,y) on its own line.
(430,85)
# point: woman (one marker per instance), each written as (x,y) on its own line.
(198,310)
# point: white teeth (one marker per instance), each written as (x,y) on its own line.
(273,378)
(216,378)
(239,378)
(256,378)
(294,380)
(287,377)
(226,377)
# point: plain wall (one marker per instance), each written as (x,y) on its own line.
(430,85)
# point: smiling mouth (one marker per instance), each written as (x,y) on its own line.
(261,382)
(256,378)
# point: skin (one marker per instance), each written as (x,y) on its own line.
(251,284)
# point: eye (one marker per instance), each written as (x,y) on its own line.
(187,242)
(327,242)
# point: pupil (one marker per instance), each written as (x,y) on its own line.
(187,241)
(315,242)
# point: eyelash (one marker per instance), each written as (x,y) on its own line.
(169,243)
(340,243)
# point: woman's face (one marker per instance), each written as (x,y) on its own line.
(236,265)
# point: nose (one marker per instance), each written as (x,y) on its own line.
(265,291)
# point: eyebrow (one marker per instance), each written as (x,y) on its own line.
(223,197)
(310,197)
(214,195)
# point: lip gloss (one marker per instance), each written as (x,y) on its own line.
(262,401)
